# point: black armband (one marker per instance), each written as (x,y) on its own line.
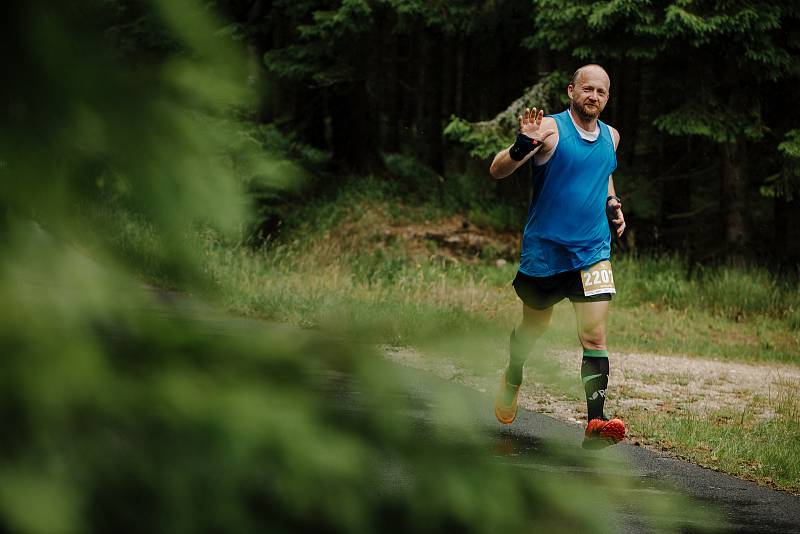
(615,197)
(522,147)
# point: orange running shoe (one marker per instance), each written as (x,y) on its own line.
(601,433)
(506,413)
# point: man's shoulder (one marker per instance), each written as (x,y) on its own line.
(548,123)
(611,128)
(615,136)
(552,117)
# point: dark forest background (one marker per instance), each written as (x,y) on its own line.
(704,94)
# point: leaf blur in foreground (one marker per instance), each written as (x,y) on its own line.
(123,411)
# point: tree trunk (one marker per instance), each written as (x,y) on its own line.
(786,226)
(458,103)
(780,226)
(733,200)
(792,251)
(429,111)
(631,96)
(391,127)
(353,132)
(407,50)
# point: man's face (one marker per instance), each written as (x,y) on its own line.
(589,95)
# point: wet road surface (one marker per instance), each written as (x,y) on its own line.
(739,506)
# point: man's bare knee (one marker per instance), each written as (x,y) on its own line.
(591,319)
(593,340)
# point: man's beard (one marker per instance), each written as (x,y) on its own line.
(586,113)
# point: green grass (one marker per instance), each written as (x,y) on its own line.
(764,450)
(388,300)
(348,278)
(735,293)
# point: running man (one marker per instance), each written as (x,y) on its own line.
(566,244)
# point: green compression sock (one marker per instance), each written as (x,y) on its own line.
(594,374)
(518,353)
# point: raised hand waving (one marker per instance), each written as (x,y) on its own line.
(530,124)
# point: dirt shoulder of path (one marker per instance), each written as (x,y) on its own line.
(648,382)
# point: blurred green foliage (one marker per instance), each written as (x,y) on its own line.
(127,408)
(85,127)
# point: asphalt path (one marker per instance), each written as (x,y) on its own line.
(740,506)
(733,504)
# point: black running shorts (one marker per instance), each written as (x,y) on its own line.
(541,292)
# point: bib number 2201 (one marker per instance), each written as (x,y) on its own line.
(598,279)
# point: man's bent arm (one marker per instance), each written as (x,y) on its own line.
(614,209)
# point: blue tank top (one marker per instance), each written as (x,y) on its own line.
(567,227)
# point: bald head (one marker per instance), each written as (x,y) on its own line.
(593,70)
(588,92)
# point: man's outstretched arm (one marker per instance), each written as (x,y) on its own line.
(531,139)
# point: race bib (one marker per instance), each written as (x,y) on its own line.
(598,279)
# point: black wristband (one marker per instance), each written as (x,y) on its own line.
(522,147)
(615,197)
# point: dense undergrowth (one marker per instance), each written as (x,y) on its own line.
(341,264)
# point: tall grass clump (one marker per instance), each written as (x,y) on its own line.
(732,292)
(383,294)
(660,280)
(739,292)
